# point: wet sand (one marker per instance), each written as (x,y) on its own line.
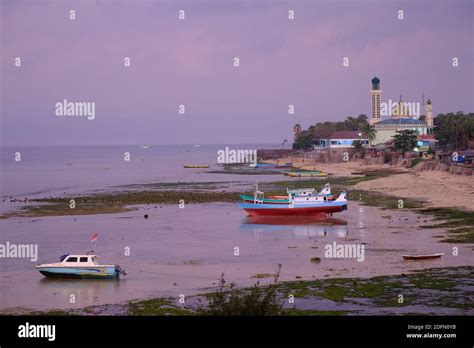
(184,251)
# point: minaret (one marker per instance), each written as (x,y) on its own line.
(429,113)
(375,95)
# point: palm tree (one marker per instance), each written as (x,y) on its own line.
(404,141)
(297,129)
(370,132)
(358,148)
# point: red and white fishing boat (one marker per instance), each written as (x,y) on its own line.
(298,205)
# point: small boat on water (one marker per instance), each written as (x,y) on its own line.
(299,205)
(273,165)
(306,174)
(196,166)
(422,257)
(80,266)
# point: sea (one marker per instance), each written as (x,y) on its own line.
(59,170)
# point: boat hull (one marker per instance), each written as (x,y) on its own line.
(307,174)
(107,272)
(195,166)
(286,210)
(273,165)
(422,257)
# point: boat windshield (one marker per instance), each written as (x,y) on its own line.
(94,260)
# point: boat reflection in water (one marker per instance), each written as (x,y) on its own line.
(302,227)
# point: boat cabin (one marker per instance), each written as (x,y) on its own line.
(301,192)
(308,199)
(80,260)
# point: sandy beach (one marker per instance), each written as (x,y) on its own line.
(438,189)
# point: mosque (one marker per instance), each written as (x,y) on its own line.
(398,116)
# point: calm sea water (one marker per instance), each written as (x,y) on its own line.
(55,170)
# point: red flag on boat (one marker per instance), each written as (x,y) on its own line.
(94,237)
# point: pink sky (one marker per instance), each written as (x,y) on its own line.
(190,62)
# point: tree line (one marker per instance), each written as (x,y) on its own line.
(453,131)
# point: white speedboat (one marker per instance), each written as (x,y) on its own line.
(80,266)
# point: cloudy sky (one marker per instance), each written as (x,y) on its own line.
(190,62)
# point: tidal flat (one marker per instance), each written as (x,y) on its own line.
(458,222)
(184,250)
(432,291)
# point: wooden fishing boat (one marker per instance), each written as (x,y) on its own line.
(305,192)
(80,266)
(196,166)
(422,257)
(273,165)
(307,174)
(301,206)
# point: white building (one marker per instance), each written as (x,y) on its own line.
(341,140)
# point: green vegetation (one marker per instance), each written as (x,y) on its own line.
(304,139)
(358,148)
(262,275)
(116,202)
(51,313)
(455,131)
(309,312)
(256,300)
(415,161)
(460,223)
(404,141)
(156,306)
(369,131)
(430,287)
(383,201)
